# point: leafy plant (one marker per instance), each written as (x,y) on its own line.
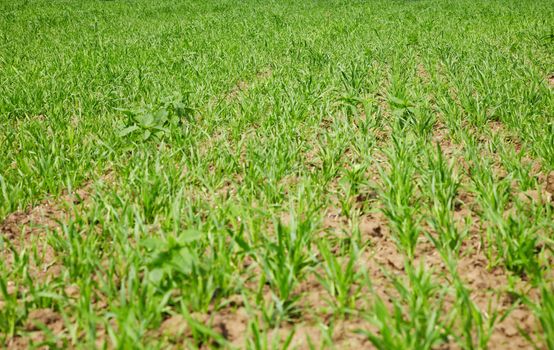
(153,122)
(170,259)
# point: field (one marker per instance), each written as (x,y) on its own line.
(287,174)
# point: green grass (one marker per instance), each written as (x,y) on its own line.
(212,159)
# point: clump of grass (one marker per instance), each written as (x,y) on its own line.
(415,320)
(340,278)
(442,186)
(398,193)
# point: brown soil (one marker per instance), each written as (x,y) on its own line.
(488,286)
(36,320)
(381,259)
(549,186)
(29,228)
(23,228)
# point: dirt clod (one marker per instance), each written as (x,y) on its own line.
(550,183)
(551,80)
(371,228)
(46,317)
(175,326)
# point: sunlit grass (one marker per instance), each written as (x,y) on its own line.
(217,163)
